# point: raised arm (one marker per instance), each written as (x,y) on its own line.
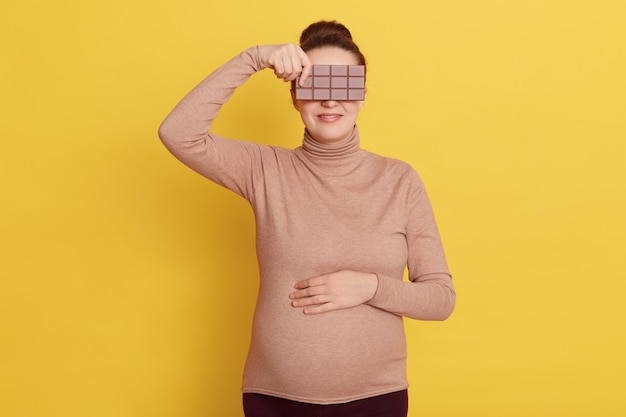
(191,119)
(186,131)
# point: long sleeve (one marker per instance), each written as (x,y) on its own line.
(186,130)
(430,293)
(430,297)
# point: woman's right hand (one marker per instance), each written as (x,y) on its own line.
(287,60)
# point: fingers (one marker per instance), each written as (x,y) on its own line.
(322,308)
(311,282)
(306,72)
(306,66)
(287,66)
(312,293)
(314,304)
(311,301)
(305,289)
(338,290)
(288,61)
(308,294)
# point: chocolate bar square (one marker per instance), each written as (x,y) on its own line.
(333,82)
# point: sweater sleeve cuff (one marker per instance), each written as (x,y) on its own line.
(384,294)
(253,55)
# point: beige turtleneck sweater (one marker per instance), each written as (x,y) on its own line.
(320,209)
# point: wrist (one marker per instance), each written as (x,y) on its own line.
(373,287)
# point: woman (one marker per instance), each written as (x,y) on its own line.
(336,226)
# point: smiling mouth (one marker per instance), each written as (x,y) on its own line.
(327,117)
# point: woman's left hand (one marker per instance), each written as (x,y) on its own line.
(335,291)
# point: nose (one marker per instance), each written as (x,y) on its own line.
(329,103)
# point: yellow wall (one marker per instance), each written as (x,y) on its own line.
(127,282)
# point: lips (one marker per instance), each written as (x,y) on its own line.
(329,117)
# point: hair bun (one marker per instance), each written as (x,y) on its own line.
(325,29)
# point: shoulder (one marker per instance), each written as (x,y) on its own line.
(394,167)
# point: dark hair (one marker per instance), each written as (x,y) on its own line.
(329,33)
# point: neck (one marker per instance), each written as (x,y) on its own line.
(332,150)
(333,160)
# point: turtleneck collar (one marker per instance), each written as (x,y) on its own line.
(331,151)
(332,159)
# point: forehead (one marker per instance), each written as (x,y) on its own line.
(331,55)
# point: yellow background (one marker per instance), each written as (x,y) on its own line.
(127,282)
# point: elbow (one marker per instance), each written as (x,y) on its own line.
(445,314)
(166,133)
(173,138)
(446,308)
(180,141)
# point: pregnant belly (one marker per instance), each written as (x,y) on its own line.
(335,354)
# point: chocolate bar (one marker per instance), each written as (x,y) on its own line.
(333,82)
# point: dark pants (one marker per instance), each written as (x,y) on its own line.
(395,404)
